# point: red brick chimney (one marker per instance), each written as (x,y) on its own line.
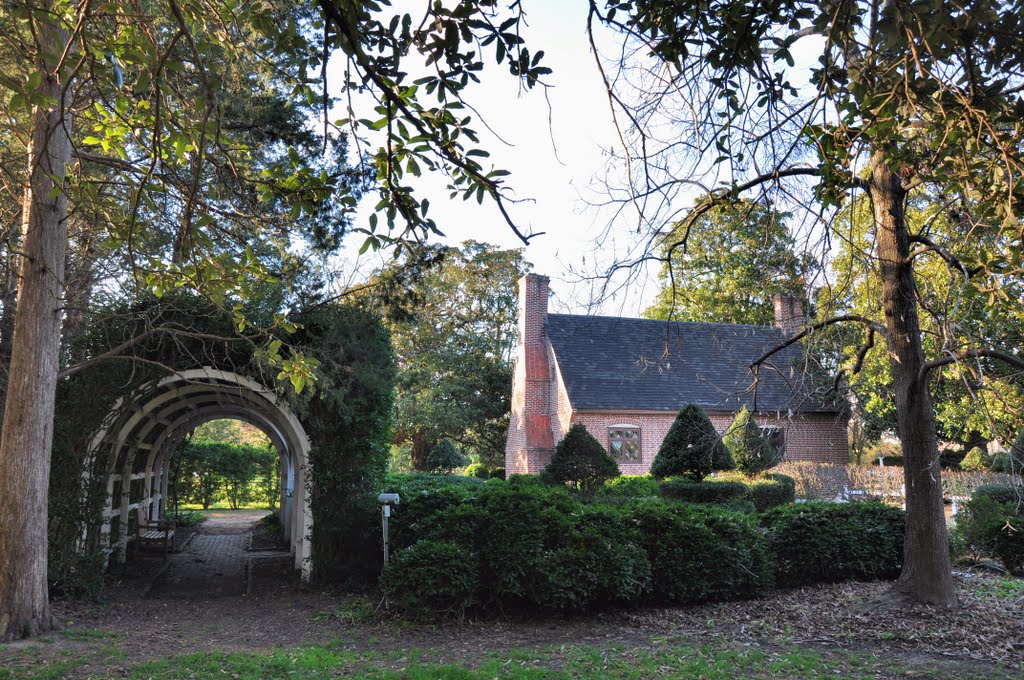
(530,440)
(789,313)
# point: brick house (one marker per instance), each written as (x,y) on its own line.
(625,380)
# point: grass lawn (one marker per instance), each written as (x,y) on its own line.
(668,660)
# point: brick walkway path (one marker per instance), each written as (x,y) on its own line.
(215,562)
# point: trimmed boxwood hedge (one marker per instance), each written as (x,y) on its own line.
(771,490)
(520,546)
(703,492)
(765,492)
(831,542)
(432,578)
(539,548)
(631,486)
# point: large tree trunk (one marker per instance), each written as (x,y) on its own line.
(28,415)
(926,575)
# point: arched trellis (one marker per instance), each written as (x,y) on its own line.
(138,438)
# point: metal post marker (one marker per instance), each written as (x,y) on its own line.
(386,500)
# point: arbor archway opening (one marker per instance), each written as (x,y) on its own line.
(145,428)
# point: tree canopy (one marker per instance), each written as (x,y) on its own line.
(730,264)
(452,317)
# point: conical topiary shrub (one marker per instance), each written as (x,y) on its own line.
(445,457)
(750,450)
(580,460)
(976,460)
(692,447)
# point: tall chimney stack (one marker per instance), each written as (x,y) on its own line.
(789,313)
(530,438)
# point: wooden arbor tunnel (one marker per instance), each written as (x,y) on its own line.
(139,437)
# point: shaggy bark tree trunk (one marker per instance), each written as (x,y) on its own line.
(28,415)
(927,575)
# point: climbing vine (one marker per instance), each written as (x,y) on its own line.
(345,409)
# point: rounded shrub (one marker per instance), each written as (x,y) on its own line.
(631,486)
(703,492)
(432,578)
(750,450)
(976,460)
(831,542)
(702,554)
(772,490)
(992,523)
(476,470)
(692,447)
(581,461)
(1000,493)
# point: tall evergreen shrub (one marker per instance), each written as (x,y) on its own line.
(444,457)
(976,460)
(692,447)
(580,460)
(750,450)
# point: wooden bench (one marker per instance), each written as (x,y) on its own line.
(159,532)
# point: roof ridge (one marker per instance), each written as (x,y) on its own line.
(664,321)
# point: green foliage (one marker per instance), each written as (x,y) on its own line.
(976,460)
(187,518)
(539,549)
(346,415)
(750,450)
(581,461)
(452,316)
(1000,493)
(210,469)
(432,578)
(1012,461)
(737,256)
(444,457)
(709,491)
(498,473)
(992,523)
(477,470)
(830,542)
(631,486)
(692,447)
(702,554)
(771,491)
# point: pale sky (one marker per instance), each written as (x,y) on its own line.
(554,142)
(555,169)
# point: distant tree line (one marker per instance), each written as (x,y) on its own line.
(210,471)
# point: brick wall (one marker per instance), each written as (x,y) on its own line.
(542,413)
(531,439)
(820,438)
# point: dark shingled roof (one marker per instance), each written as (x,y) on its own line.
(638,364)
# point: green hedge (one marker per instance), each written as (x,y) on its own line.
(771,491)
(992,523)
(829,542)
(432,578)
(535,548)
(631,486)
(540,549)
(763,493)
(476,470)
(702,554)
(703,492)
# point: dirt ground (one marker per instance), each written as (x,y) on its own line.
(985,637)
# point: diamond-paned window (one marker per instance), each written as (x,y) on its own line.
(624,443)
